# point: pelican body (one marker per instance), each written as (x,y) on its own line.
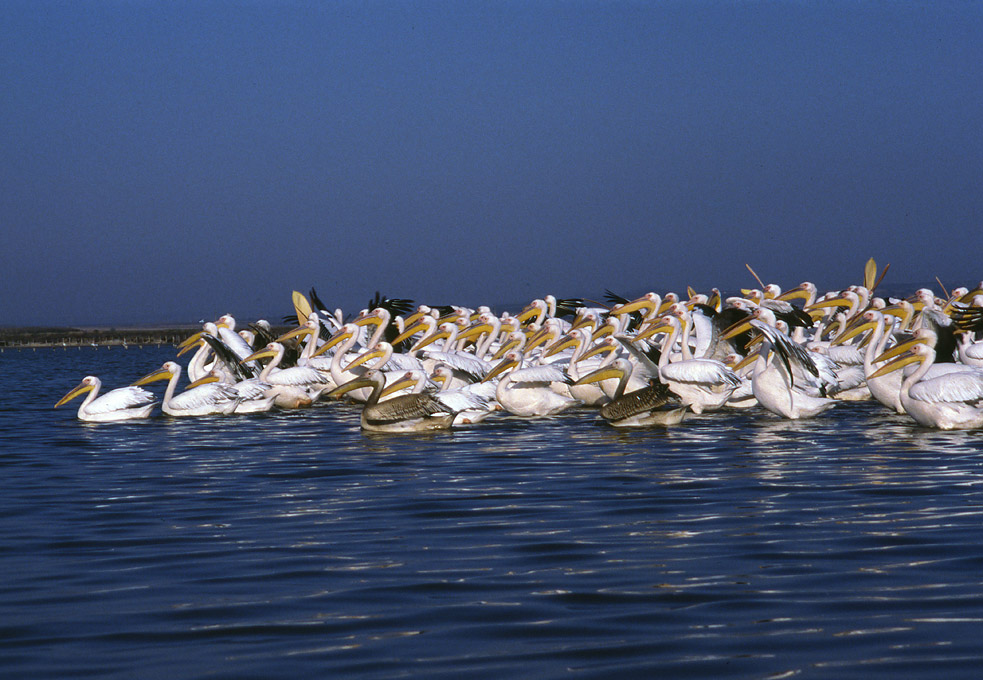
(652,405)
(951,401)
(209,399)
(123,403)
(414,412)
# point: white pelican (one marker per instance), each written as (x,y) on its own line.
(255,396)
(527,392)
(970,353)
(415,412)
(294,386)
(123,403)
(702,384)
(582,361)
(947,402)
(885,388)
(651,405)
(473,403)
(782,387)
(203,400)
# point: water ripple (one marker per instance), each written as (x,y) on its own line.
(284,545)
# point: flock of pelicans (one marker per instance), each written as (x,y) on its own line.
(643,362)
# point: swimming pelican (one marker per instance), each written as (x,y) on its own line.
(947,402)
(527,392)
(255,396)
(652,405)
(202,400)
(702,384)
(415,412)
(294,386)
(790,388)
(123,403)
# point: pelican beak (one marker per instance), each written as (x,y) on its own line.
(342,390)
(397,385)
(714,300)
(371,318)
(204,380)
(414,317)
(332,341)
(653,329)
(903,360)
(560,345)
(296,333)
(543,336)
(432,338)
(797,293)
(829,302)
(633,306)
(159,374)
(916,304)
(529,312)
(581,321)
(411,328)
(475,330)
(260,354)
(599,375)
(601,331)
(187,347)
(505,349)
(899,349)
(450,317)
(670,300)
(746,361)
(602,348)
(853,332)
(81,389)
(737,328)
(191,341)
(894,310)
(500,368)
(363,357)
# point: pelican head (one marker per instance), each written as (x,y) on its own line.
(89,382)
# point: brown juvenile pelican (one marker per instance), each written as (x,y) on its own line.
(415,412)
(652,405)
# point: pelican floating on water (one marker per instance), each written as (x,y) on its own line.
(203,400)
(652,405)
(950,401)
(415,412)
(123,403)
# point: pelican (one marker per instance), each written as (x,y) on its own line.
(294,386)
(255,396)
(784,388)
(702,384)
(202,400)
(652,405)
(473,402)
(582,362)
(948,402)
(415,412)
(527,392)
(123,403)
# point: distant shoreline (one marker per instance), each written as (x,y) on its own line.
(96,336)
(75,336)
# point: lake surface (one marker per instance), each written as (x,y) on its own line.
(291,545)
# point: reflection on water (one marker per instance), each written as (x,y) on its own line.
(290,544)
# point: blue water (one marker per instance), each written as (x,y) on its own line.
(291,545)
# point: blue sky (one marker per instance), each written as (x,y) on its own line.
(171,161)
